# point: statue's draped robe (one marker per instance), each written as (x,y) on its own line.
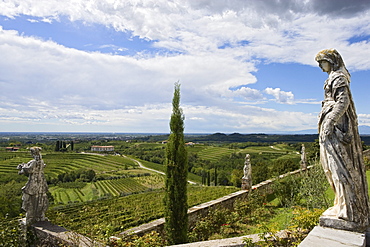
(35,201)
(341,152)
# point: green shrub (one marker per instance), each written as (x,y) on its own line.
(305,219)
(10,233)
(10,199)
(313,187)
(218,221)
(287,190)
(301,224)
(152,239)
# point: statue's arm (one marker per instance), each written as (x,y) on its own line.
(341,98)
(26,168)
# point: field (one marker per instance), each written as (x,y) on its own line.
(214,153)
(58,163)
(103,218)
(123,195)
(81,192)
(127,196)
(121,175)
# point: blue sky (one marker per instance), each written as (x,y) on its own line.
(110,66)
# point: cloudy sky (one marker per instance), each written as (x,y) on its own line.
(244,66)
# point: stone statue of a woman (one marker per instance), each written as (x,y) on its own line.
(303,158)
(247,170)
(34,197)
(341,149)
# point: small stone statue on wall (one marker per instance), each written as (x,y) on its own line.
(34,197)
(341,149)
(247,178)
(303,158)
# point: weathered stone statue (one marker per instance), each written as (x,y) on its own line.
(247,178)
(303,158)
(35,201)
(341,149)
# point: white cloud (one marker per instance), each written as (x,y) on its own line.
(44,77)
(245,119)
(83,88)
(280,96)
(364,119)
(249,94)
(278,31)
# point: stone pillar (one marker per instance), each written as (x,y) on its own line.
(246,184)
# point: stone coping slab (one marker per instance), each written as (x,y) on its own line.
(232,242)
(48,234)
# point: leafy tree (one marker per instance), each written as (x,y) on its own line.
(215,176)
(175,200)
(282,166)
(236,177)
(259,171)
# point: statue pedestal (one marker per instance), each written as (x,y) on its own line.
(322,236)
(336,223)
(246,184)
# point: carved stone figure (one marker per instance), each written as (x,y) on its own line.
(34,197)
(303,158)
(341,149)
(247,178)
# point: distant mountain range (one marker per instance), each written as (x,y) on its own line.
(363,129)
(284,136)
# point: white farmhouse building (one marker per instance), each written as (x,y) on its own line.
(102,148)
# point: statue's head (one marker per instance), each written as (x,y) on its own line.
(335,60)
(332,56)
(35,152)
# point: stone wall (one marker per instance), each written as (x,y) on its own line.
(44,233)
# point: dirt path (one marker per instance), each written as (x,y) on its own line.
(150,169)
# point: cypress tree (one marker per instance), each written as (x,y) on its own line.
(176,205)
(57,146)
(216,176)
